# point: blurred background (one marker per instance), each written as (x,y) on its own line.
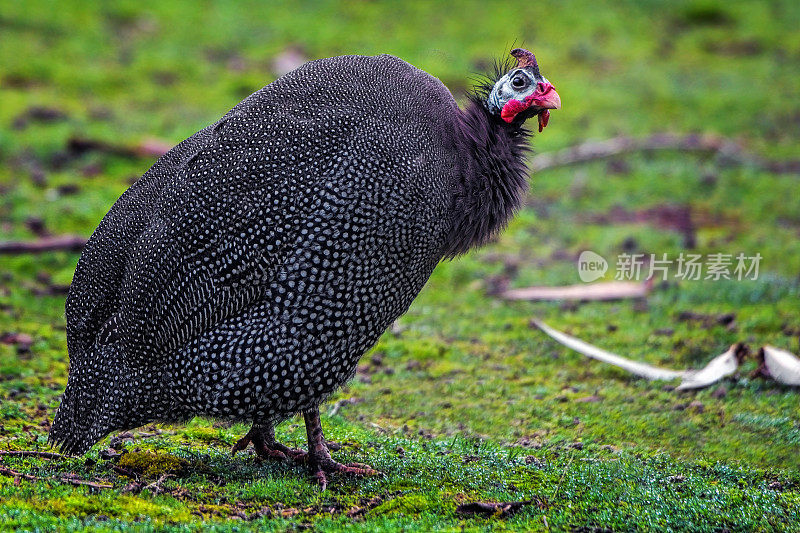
(90,93)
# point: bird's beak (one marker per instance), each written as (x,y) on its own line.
(546,96)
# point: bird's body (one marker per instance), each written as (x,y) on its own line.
(245,274)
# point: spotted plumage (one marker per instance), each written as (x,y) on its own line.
(245,274)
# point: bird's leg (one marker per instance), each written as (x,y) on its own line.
(263,439)
(319,457)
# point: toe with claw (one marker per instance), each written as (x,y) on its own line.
(263,440)
(319,457)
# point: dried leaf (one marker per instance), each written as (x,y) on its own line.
(783,366)
(608,290)
(721,366)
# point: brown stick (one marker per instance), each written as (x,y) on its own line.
(125,472)
(147,148)
(72,481)
(156,485)
(594,150)
(31,453)
(16,475)
(603,290)
(72,243)
(134,436)
(492,508)
(86,483)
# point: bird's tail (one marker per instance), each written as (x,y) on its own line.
(95,403)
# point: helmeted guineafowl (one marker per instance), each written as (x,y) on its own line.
(245,274)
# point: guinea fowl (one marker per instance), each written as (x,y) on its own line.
(244,275)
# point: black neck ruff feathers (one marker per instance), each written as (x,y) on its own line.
(494,174)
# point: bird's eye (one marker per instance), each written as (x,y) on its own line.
(519,82)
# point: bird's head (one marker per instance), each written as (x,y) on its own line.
(523,92)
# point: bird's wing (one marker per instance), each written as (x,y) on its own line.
(216,234)
(93,297)
(194,269)
(196,239)
(216,241)
(209,228)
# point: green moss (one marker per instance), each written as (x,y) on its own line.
(153,464)
(204,434)
(408,505)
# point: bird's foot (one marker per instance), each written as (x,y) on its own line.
(321,467)
(319,456)
(295,454)
(262,450)
(267,447)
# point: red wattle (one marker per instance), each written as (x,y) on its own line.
(514,107)
(544,118)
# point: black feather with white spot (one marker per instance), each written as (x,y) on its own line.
(245,274)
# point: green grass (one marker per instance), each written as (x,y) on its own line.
(463,401)
(595,486)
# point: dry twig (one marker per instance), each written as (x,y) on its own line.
(32,453)
(155,487)
(72,243)
(16,475)
(146,148)
(594,150)
(607,290)
(64,479)
(500,509)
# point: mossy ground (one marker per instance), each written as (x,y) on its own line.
(463,401)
